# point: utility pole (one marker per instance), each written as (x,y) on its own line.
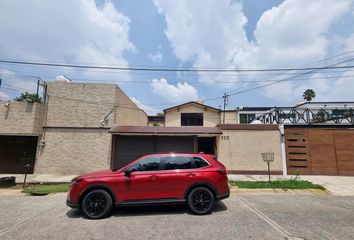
(226,101)
(37,89)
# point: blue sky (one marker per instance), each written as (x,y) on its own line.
(249,34)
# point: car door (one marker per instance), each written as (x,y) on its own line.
(178,175)
(143,183)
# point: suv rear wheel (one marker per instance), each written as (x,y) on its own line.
(200,201)
(96,204)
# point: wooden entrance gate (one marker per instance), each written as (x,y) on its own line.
(320,151)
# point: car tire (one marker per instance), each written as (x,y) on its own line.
(97,204)
(200,201)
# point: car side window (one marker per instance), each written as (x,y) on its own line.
(147,164)
(178,162)
(199,162)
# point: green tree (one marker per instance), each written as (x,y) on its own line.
(309,94)
(160,114)
(28,97)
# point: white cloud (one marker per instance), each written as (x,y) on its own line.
(13,85)
(3,95)
(294,33)
(155,57)
(340,89)
(64,31)
(148,109)
(182,92)
(207,33)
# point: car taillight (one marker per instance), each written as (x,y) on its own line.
(222,171)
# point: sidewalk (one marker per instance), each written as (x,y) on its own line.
(38,178)
(336,185)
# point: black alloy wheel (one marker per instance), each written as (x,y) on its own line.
(200,201)
(97,204)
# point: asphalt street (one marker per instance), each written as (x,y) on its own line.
(274,216)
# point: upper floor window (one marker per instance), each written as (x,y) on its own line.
(191,119)
(247,117)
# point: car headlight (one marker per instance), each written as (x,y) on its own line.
(76,180)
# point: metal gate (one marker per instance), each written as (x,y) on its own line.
(129,148)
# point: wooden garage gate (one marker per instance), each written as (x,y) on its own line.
(320,151)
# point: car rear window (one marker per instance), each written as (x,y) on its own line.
(199,162)
(178,162)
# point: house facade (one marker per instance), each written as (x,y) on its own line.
(86,127)
(195,127)
(20,129)
(69,132)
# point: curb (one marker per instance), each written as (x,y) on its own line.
(260,191)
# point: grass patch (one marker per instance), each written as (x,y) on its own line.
(43,189)
(284,184)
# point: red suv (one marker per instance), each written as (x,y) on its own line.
(195,179)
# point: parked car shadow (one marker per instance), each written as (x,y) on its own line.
(149,210)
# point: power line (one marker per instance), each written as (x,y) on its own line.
(312,64)
(171,69)
(196,82)
(286,79)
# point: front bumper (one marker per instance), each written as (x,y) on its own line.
(223,196)
(70,204)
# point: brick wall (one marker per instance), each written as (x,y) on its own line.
(75,140)
(21,118)
(79,104)
(70,151)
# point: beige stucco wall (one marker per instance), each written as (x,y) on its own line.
(21,118)
(173,117)
(243,149)
(230,117)
(160,123)
(74,151)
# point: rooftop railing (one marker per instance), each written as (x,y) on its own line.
(308,116)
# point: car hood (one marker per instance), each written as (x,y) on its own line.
(103,173)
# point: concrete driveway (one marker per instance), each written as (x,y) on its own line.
(276,216)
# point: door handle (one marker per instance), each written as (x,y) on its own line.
(190,174)
(153,177)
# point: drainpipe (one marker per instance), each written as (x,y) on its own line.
(282,147)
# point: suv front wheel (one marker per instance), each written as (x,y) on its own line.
(200,201)
(96,204)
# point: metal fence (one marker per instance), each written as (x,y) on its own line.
(307,116)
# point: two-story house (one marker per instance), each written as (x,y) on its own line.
(196,127)
(68,134)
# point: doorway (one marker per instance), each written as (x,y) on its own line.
(17,152)
(206,145)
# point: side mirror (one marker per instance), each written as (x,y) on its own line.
(127,173)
